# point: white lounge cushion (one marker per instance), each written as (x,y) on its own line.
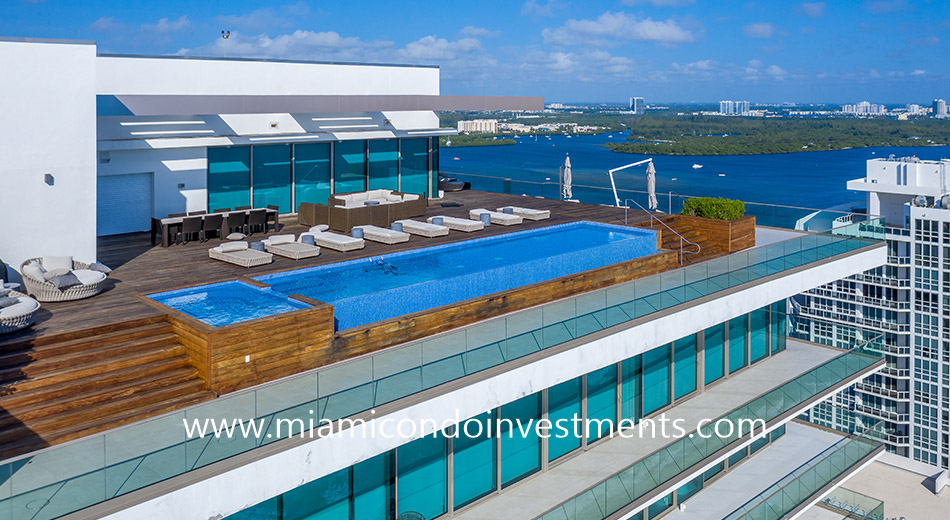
(229,247)
(33,270)
(319,228)
(51,263)
(358,197)
(410,196)
(393,198)
(88,276)
(26,305)
(460,224)
(426,229)
(384,235)
(280,239)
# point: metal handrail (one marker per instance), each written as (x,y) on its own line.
(654,217)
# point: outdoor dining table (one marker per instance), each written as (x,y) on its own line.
(165,225)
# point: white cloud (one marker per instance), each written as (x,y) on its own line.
(926,41)
(755,63)
(106,24)
(432,48)
(478,32)
(776,71)
(259,20)
(918,72)
(813,9)
(589,66)
(535,8)
(761,30)
(884,6)
(165,26)
(695,67)
(660,3)
(611,28)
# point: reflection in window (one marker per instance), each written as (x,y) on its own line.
(349,166)
(383,164)
(312,172)
(229,177)
(272,176)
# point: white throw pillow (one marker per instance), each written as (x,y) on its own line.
(236,236)
(410,196)
(57,262)
(319,228)
(33,270)
(281,239)
(393,198)
(359,197)
(228,247)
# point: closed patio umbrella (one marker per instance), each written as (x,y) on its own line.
(566,189)
(651,185)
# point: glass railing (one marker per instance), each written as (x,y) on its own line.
(854,505)
(787,217)
(69,477)
(799,486)
(664,466)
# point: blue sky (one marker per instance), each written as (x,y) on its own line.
(886,51)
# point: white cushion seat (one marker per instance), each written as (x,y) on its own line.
(528,213)
(503,219)
(24,305)
(383,235)
(425,229)
(337,242)
(459,224)
(88,276)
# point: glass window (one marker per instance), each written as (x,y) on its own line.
(564,404)
(601,402)
(421,476)
(758,337)
(684,365)
(687,490)
(737,457)
(776,433)
(272,176)
(520,447)
(631,390)
(778,326)
(713,353)
(415,166)
(349,166)
(373,488)
(713,471)
(383,164)
(229,177)
(656,379)
(474,459)
(758,444)
(737,346)
(660,506)
(327,498)
(434,177)
(312,172)
(267,510)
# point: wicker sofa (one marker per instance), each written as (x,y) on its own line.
(345,211)
(93,282)
(19,315)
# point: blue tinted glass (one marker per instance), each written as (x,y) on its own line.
(778,326)
(601,402)
(758,444)
(272,176)
(520,443)
(327,498)
(737,457)
(713,471)
(434,189)
(656,379)
(474,459)
(267,510)
(229,177)
(737,346)
(349,166)
(759,335)
(312,172)
(564,404)
(776,433)
(713,353)
(631,390)
(660,506)
(421,476)
(415,165)
(684,364)
(372,488)
(383,163)
(687,490)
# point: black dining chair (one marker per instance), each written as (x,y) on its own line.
(241,208)
(194,213)
(174,215)
(190,226)
(222,210)
(211,224)
(256,219)
(277,209)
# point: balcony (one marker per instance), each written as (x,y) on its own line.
(881,391)
(881,413)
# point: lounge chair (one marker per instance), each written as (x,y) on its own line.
(460,224)
(35,271)
(238,253)
(19,315)
(423,229)
(335,241)
(383,235)
(285,246)
(528,213)
(497,217)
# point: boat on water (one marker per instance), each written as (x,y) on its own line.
(697,166)
(722,174)
(456,159)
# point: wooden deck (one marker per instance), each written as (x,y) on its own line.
(141,268)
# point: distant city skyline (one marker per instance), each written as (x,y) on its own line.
(665,50)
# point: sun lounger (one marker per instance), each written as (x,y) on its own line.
(460,224)
(238,253)
(334,241)
(285,246)
(383,235)
(530,214)
(424,229)
(505,219)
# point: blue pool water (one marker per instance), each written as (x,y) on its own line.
(227,302)
(371,289)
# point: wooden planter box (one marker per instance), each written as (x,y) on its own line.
(728,235)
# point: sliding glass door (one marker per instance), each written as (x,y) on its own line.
(229,177)
(349,167)
(312,172)
(383,164)
(272,176)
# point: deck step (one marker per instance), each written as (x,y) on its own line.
(78,344)
(90,333)
(28,363)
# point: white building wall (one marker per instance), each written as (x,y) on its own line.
(169,76)
(169,167)
(48,126)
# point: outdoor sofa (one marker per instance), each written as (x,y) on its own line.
(20,314)
(60,278)
(375,208)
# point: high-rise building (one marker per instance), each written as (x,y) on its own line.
(479,126)
(742,108)
(939,108)
(637,105)
(906,302)
(734,108)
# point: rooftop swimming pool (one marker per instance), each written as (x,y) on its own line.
(227,302)
(372,289)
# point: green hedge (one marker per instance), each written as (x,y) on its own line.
(717,208)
